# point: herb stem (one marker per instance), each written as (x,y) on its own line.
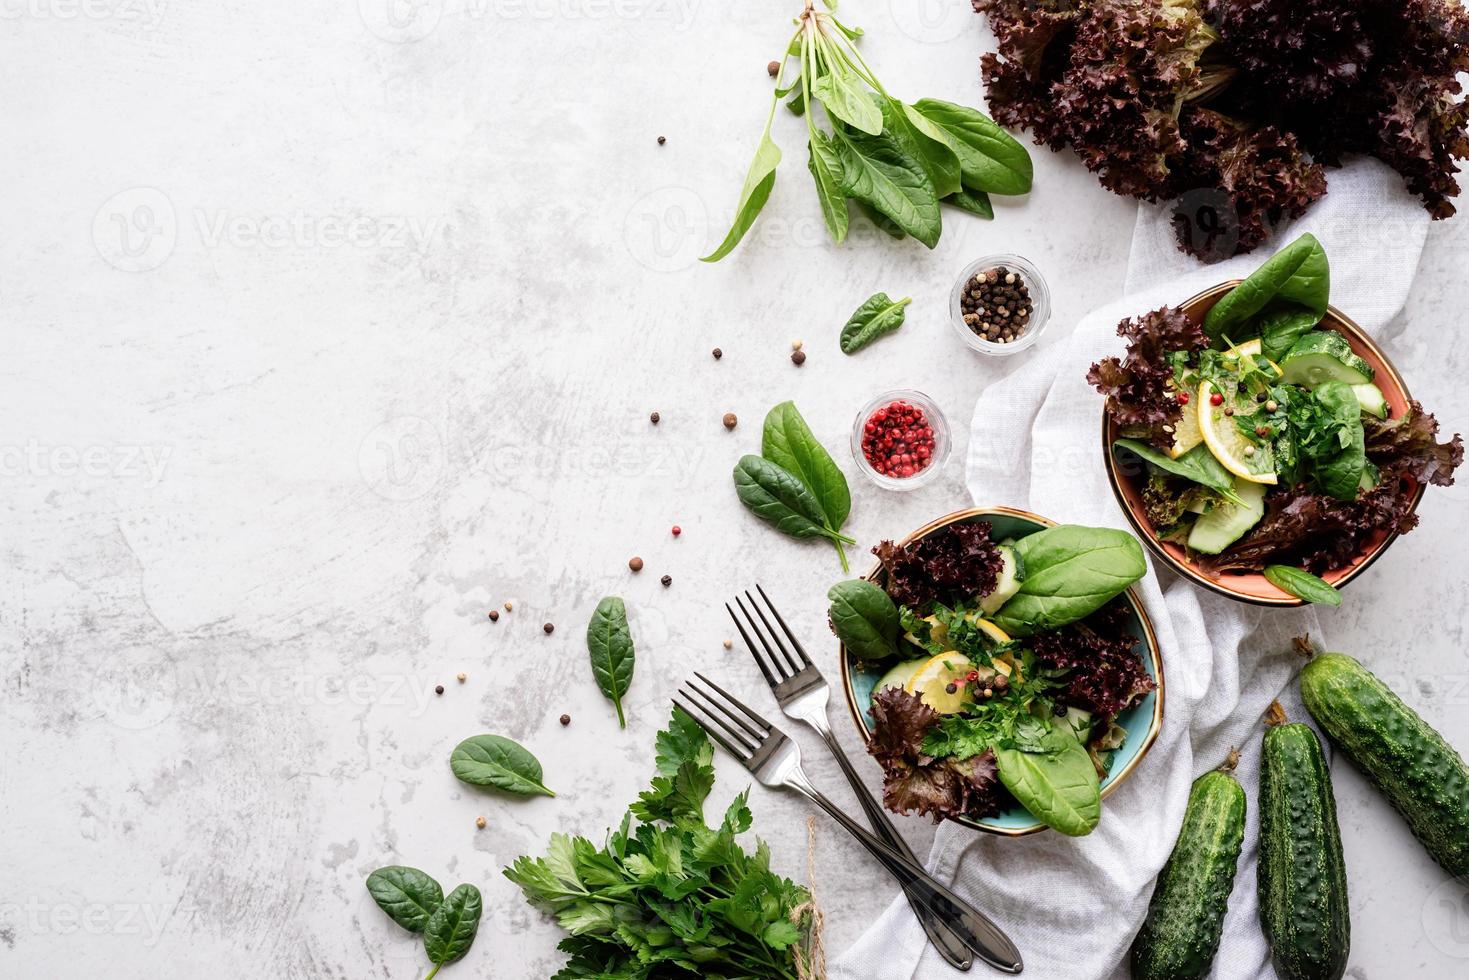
(434,972)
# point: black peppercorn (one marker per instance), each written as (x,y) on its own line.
(439,689)
(798,357)
(549,628)
(654,418)
(565,720)
(662,140)
(494,615)
(667,580)
(718,353)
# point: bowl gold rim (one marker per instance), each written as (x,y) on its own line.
(1155,723)
(1349,327)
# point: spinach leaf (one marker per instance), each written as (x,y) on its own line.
(1070,572)
(1058,784)
(876,169)
(781,499)
(1198,465)
(883,222)
(925,142)
(758,182)
(1326,438)
(787,441)
(826,170)
(845,101)
(1281,328)
(1302,584)
(609,642)
(864,619)
(975,202)
(450,930)
(874,318)
(493,760)
(1297,276)
(990,159)
(408,895)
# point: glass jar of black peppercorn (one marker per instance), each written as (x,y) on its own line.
(1000,304)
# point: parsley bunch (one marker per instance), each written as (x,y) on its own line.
(673,897)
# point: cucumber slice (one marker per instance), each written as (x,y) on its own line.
(1324,356)
(899,675)
(1371,476)
(1011,575)
(1370,397)
(1226,523)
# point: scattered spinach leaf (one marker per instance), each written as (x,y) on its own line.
(451,929)
(787,441)
(1070,572)
(873,319)
(1302,584)
(1298,276)
(609,642)
(1198,465)
(407,895)
(864,618)
(496,761)
(1055,779)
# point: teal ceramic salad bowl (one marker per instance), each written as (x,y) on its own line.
(1143,720)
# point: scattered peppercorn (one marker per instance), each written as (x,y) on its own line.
(951,688)
(797,344)
(439,689)
(479,822)
(730,420)
(667,580)
(1216,399)
(654,418)
(461,678)
(989,692)
(1183,397)
(662,140)
(494,616)
(798,358)
(728,644)
(1228,409)
(996,305)
(718,353)
(677,530)
(1271,405)
(897,440)
(565,720)
(509,607)
(549,628)
(1262,430)
(1000,682)
(773,68)
(1249,450)
(635,563)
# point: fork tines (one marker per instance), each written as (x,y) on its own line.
(775,667)
(727,720)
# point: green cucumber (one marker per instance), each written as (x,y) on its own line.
(1420,774)
(1012,573)
(899,675)
(1180,936)
(1372,400)
(1226,523)
(1303,878)
(1323,356)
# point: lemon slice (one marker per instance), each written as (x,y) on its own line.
(1252,350)
(1235,452)
(932,680)
(1186,434)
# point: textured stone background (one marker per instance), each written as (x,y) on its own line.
(329,326)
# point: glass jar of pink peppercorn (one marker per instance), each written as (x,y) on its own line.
(900,440)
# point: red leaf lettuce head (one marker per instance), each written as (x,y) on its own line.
(1106,672)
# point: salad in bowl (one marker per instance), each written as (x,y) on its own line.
(1260,442)
(1001,670)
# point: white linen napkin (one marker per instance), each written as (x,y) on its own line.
(1073,905)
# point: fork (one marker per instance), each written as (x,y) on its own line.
(775,761)
(803,694)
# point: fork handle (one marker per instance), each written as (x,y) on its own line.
(950,946)
(972,927)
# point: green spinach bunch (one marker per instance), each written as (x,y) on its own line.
(794,484)
(672,895)
(417,902)
(898,161)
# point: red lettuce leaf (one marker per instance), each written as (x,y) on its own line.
(1138,397)
(959,558)
(1409,446)
(915,782)
(1106,673)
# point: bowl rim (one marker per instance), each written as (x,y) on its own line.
(1340,323)
(1150,638)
